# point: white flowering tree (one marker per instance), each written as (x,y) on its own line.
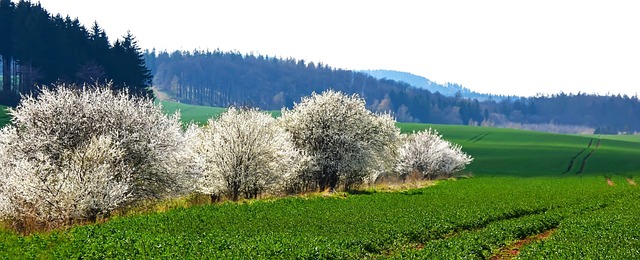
(76,153)
(425,153)
(346,142)
(245,153)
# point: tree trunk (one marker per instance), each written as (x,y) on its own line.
(328,179)
(214,198)
(333,181)
(6,74)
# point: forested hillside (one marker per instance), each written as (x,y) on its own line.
(229,78)
(38,48)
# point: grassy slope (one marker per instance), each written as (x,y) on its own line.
(500,151)
(197,114)
(4,117)
(191,113)
(528,153)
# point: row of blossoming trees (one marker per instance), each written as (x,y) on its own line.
(75,153)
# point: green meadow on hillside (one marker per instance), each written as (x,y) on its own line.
(4,117)
(196,114)
(499,151)
(191,113)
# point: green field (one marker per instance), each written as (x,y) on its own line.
(191,113)
(524,183)
(196,114)
(4,117)
(501,151)
(472,218)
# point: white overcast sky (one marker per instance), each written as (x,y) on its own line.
(502,47)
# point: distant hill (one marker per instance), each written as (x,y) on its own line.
(447,89)
(223,79)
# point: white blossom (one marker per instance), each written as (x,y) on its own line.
(347,143)
(245,153)
(428,155)
(76,153)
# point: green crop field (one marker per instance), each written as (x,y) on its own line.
(526,153)
(472,218)
(577,188)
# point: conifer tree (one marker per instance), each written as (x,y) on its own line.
(39,49)
(6,15)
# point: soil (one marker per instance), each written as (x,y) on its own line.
(631,182)
(610,182)
(511,251)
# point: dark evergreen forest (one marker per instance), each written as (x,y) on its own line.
(229,78)
(216,78)
(38,49)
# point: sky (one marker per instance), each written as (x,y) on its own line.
(506,47)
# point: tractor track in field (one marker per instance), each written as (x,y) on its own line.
(573,160)
(512,250)
(461,229)
(477,138)
(584,162)
(591,148)
(629,180)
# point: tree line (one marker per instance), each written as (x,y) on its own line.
(229,78)
(38,48)
(219,78)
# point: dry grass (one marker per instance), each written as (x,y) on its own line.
(413,181)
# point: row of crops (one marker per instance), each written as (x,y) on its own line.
(468,217)
(610,232)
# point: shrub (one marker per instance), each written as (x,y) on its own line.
(346,142)
(428,155)
(76,153)
(245,153)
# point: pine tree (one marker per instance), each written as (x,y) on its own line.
(129,66)
(6,18)
(38,49)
